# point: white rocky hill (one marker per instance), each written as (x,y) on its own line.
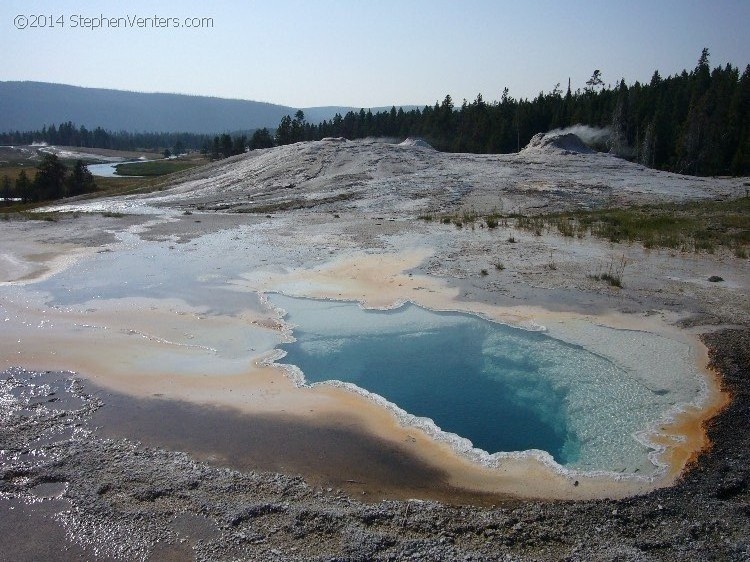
(552,173)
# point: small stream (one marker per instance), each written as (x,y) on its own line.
(109,169)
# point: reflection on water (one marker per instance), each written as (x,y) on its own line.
(109,170)
(326,451)
(195,274)
(504,388)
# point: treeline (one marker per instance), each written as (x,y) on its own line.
(697,122)
(53,180)
(68,134)
(224,146)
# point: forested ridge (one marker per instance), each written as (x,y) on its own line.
(696,122)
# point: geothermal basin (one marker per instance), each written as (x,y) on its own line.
(506,400)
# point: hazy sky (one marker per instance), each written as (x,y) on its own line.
(363,54)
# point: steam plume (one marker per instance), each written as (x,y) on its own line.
(589,135)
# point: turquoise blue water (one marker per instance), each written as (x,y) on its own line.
(442,374)
(484,381)
(503,388)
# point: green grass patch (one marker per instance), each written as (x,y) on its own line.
(613,280)
(461,219)
(537,225)
(612,274)
(36,216)
(156,168)
(700,226)
(13,171)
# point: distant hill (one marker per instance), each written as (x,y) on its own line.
(26,106)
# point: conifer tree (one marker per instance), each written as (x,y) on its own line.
(23,187)
(284,131)
(50,179)
(5,190)
(80,180)
(261,139)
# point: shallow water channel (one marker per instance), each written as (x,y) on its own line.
(109,169)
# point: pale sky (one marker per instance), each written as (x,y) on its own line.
(366,54)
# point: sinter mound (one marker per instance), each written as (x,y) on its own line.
(556,142)
(417,142)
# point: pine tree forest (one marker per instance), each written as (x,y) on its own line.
(696,122)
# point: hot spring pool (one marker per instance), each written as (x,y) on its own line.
(504,388)
(585,394)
